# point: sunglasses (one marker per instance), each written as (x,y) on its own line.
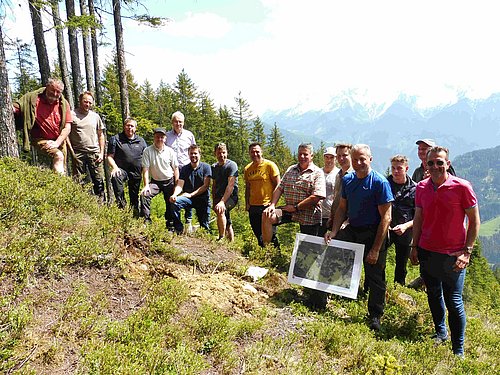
(439,163)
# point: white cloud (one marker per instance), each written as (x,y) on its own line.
(305,52)
(201,25)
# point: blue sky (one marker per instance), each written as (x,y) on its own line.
(289,53)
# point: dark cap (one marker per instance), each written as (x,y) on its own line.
(160,130)
(427,141)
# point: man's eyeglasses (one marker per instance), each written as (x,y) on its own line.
(439,163)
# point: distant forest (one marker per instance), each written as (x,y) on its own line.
(482,169)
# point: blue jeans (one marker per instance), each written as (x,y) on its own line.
(201,205)
(444,289)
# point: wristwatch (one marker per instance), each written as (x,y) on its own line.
(296,206)
(468,249)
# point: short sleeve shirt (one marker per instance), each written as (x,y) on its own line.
(330,187)
(48,119)
(297,185)
(84,130)
(221,174)
(127,153)
(195,178)
(161,163)
(443,227)
(259,178)
(180,144)
(364,195)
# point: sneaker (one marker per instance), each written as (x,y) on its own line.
(417,283)
(460,355)
(438,340)
(374,323)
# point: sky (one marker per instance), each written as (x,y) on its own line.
(299,54)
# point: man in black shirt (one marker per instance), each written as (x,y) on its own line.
(124,157)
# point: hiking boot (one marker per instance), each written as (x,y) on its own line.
(439,340)
(374,323)
(418,283)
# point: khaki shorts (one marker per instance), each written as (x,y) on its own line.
(45,157)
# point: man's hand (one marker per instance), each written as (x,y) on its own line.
(220,208)
(146,190)
(399,229)
(50,145)
(115,172)
(289,208)
(329,235)
(100,158)
(269,210)
(372,256)
(414,256)
(463,259)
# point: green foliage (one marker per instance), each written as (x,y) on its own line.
(43,231)
(49,224)
(490,227)
(13,320)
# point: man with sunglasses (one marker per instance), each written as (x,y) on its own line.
(443,245)
(420,173)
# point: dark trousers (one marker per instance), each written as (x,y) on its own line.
(86,161)
(402,246)
(374,273)
(323,229)
(167,188)
(255,216)
(134,184)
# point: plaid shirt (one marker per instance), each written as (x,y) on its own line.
(297,185)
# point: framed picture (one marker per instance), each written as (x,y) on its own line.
(333,268)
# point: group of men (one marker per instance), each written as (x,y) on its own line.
(423,216)
(171,165)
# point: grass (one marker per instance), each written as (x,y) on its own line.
(490,227)
(87,289)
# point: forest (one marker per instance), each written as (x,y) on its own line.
(118,95)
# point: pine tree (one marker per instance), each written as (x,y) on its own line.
(24,80)
(241,115)
(8,143)
(257,133)
(41,48)
(318,155)
(277,150)
(186,99)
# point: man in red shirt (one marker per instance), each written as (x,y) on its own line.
(46,119)
(442,243)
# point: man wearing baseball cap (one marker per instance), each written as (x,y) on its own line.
(424,145)
(160,173)
(330,171)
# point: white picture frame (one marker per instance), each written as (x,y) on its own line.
(334,268)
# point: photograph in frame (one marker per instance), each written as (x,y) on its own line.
(334,268)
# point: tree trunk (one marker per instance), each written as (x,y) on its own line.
(120,59)
(95,56)
(87,53)
(73,51)
(8,143)
(41,48)
(61,51)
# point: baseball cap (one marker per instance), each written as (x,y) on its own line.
(160,130)
(330,151)
(427,141)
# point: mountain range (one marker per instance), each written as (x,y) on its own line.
(391,128)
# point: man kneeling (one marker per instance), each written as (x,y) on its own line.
(192,190)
